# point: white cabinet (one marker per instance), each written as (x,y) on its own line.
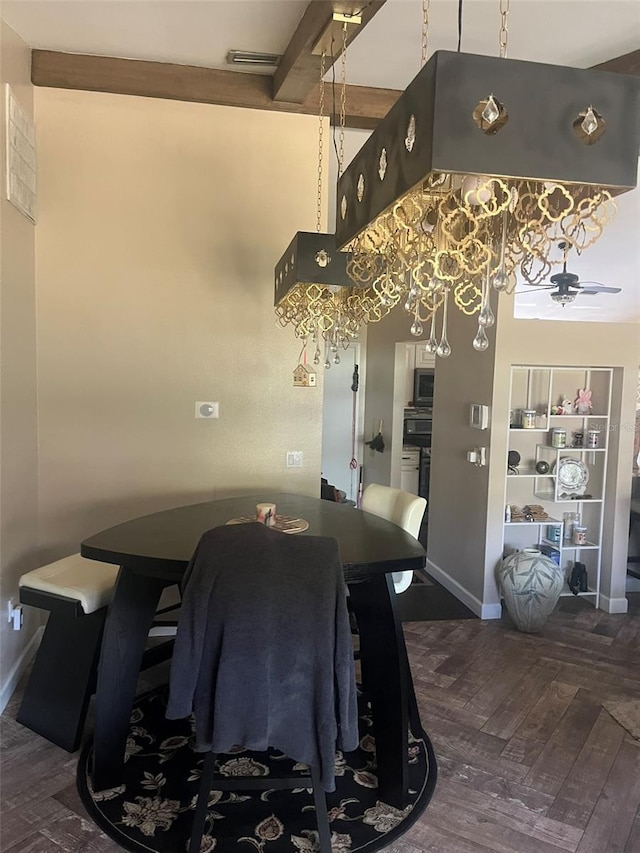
(564,481)
(423,357)
(410,470)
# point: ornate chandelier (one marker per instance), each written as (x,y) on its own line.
(313,290)
(477,173)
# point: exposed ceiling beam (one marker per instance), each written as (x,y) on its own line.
(298,71)
(629,63)
(365,105)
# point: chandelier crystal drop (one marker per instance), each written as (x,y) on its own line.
(491,111)
(590,122)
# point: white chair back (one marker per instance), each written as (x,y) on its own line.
(402,508)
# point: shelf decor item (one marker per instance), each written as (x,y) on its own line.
(583,402)
(578,580)
(513,460)
(569,520)
(593,438)
(531,584)
(573,475)
(579,535)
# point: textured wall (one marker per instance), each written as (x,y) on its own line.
(159,229)
(18,405)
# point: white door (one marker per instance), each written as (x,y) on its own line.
(337,424)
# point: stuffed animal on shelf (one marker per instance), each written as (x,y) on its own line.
(583,402)
(564,407)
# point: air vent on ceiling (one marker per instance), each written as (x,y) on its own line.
(248,57)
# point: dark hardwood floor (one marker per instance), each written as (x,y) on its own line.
(529,761)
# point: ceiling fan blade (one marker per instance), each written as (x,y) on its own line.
(531,288)
(590,291)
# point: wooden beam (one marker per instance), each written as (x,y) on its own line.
(365,105)
(628,63)
(298,72)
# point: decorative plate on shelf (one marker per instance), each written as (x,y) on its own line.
(573,475)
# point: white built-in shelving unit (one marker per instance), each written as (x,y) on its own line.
(541,388)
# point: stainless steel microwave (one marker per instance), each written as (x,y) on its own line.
(418,426)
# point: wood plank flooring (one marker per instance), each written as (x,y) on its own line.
(529,761)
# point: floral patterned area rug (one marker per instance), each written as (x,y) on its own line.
(153,810)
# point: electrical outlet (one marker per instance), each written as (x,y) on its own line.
(15,615)
(294,459)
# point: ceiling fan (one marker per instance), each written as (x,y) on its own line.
(566,285)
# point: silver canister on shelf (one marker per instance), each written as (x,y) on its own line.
(528,419)
(593,438)
(558,437)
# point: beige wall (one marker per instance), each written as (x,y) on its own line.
(18,408)
(458,490)
(160,224)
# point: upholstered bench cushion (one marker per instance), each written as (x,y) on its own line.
(88,581)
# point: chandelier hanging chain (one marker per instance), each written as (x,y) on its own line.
(343,98)
(504,30)
(320,144)
(425,31)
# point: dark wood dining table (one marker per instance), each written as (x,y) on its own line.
(153,552)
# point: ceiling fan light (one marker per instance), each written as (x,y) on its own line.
(563,298)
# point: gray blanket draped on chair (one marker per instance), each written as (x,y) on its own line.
(264,638)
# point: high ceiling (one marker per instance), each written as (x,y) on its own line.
(386,54)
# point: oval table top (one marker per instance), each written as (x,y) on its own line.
(161,544)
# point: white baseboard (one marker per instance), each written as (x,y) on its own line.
(484,611)
(19,667)
(613,605)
